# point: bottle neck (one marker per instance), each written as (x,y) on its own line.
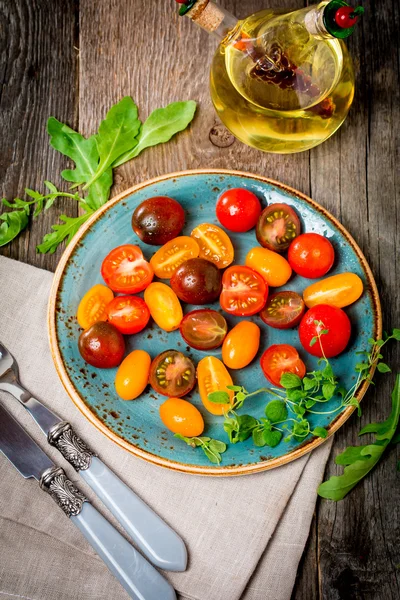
(314,21)
(212,18)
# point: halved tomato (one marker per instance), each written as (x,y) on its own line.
(129,314)
(203,329)
(277,226)
(213,377)
(214,244)
(279,359)
(92,307)
(125,270)
(172,374)
(168,258)
(283,310)
(244,291)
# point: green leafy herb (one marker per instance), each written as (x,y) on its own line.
(359,460)
(211,448)
(12,224)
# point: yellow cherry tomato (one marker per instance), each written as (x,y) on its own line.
(133,375)
(214,244)
(338,290)
(273,267)
(92,307)
(213,376)
(168,258)
(164,306)
(180,416)
(241,345)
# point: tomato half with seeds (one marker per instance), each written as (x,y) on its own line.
(311,255)
(214,244)
(277,226)
(125,270)
(279,359)
(204,329)
(283,310)
(180,416)
(244,291)
(213,376)
(172,374)
(168,258)
(93,306)
(334,329)
(129,314)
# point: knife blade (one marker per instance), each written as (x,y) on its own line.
(139,578)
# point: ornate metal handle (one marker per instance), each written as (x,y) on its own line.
(71,446)
(54,481)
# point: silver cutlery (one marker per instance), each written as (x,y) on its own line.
(139,578)
(161,544)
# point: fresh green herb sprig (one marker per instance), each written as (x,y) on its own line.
(211,448)
(121,137)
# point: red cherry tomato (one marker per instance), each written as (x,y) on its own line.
(102,345)
(244,291)
(325,318)
(129,314)
(277,227)
(311,255)
(125,270)
(238,209)
(283,310)
(279,359)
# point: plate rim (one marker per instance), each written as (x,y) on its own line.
(219,471)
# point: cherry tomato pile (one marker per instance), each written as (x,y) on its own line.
(197,269)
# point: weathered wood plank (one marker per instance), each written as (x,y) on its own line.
(38,79)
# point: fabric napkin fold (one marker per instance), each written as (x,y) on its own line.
(245,535)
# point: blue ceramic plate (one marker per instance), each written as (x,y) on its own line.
(136,425)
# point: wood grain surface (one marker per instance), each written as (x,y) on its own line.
(73,59)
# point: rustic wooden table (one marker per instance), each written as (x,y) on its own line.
(74,58)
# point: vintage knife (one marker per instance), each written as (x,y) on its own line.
(140,579)
(161,544)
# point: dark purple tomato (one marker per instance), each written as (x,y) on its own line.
(197,281)
(172,374)
(158,220)
(283,310)
(203,329)
(277,226)
(102,345)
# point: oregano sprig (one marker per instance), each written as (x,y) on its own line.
(211,448)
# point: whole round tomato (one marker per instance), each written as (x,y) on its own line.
(175,252)
(244,291)
(129,314)
(279,359)
(283,310)
(172,374)
(93,306)
(180,416)
(164,306)
(214,244)
(158,220)
(125,270)
(197,281)
(311,255)
(277,227)
(241,345)
(273,267)
(238,209)
(334,328)
(338,290)
(102,345)
(203,329)
(133,375)
(213,376)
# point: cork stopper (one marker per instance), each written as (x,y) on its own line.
(206,14)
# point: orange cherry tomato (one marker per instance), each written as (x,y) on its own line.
(168,258)
(164,306)
(273,267)
(180,416)
(213,376)
(241,345)
(92,307)
(338,290)
(133,375)
(214,244)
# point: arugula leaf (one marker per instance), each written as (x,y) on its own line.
(116,135)
(160,126)
(13,223)
(360,460)
(67,231)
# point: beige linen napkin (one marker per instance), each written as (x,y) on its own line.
(245,535)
